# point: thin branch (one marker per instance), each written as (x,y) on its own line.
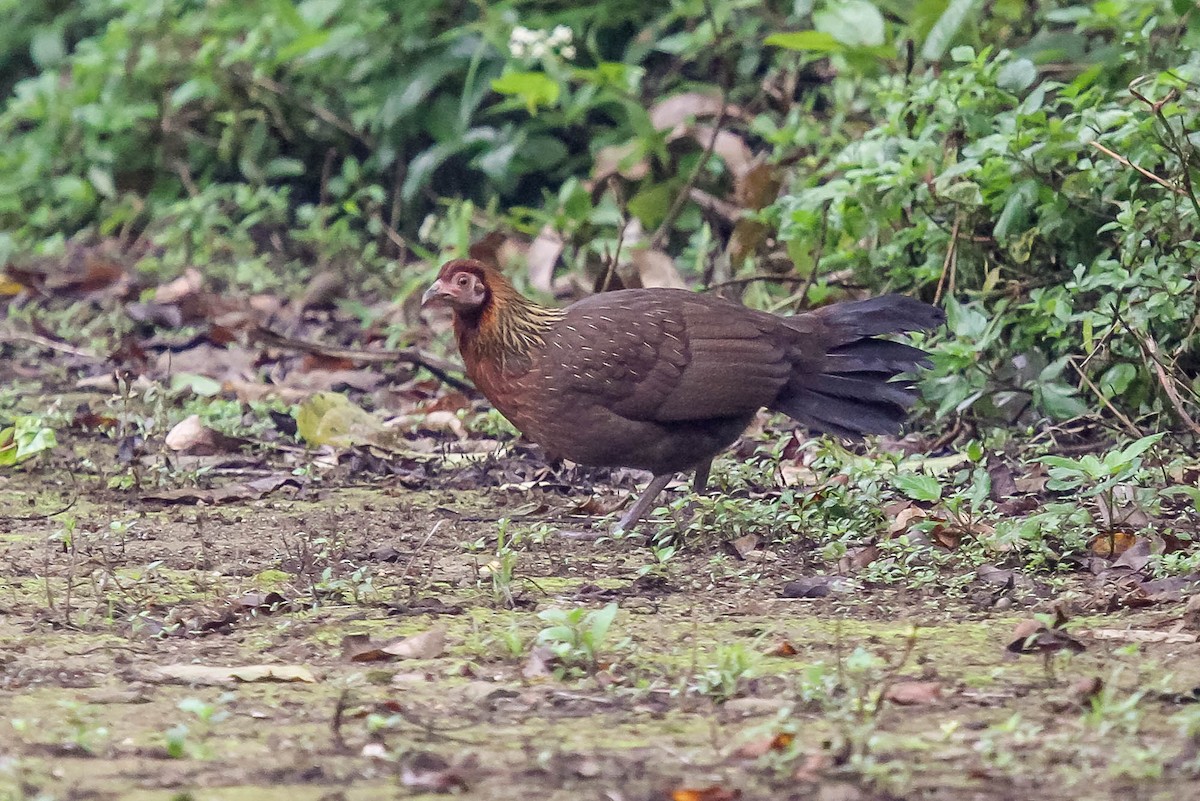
(10,336)
(816,265)
(1122,160)
(1173,144)
(1150,350)
(664,228)
(950,263)
(1125,421)
(676,208)
(611,268)
(440,368)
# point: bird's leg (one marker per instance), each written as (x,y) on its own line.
(700,482)
(644,503)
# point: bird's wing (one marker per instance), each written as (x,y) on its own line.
(670,355)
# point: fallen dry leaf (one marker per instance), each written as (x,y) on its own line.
(1084,690)
(764,745)
(781,648)
(711,793)
(858,558)
(1139,635)
(680,108)
(1112,544)
(192,437)
(900,519)
(426,645)
(744,545)
(812,767)
(174,291)
(211,674)
(914,693)
(250,490)
(542,258)
(538,664)
(654,268)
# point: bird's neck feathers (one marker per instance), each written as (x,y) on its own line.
(508,327)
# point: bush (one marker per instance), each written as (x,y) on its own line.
(885,144)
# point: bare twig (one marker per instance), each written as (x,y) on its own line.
(950,263)
(1125,421)
(611,267)
(676,207)
(420,548)
(1174,143)
(322,113)
(820,251)
(440,368)
(339,715)
(8,335)
(1122,160)
(1150,352)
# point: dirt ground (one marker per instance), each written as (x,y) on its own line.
(119,634)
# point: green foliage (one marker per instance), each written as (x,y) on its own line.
(1058,259)
(25,438)
(263,138)
(731,666)
(576,636)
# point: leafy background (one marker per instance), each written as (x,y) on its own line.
(1029,164)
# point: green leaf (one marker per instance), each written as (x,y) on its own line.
(856,23)
(47,48)
(1017,76)
(535,88)
(102,180)
(601,619)
(650,204)
(963,54)
(1015,214)
(1136,449)
(814,41)
(200,385)
(918,486)
(1117,379)
(1060,401)
(946,28)
(967,193)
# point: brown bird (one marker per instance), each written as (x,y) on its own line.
(665,379)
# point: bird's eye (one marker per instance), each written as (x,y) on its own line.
(462,280)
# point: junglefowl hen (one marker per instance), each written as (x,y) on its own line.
(665,379)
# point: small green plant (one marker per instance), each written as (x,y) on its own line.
(1103,478)
(575,637)
(659,568)
(187,739)
(732,665)
(504,566)
(24,439)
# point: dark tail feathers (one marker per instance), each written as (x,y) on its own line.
(850,392)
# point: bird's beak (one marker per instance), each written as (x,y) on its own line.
(435,292)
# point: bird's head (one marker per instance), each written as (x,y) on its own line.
(462,284)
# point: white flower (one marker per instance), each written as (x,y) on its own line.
(524,35)
(561,35)
(568,52)
(538,49)
(516,49)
